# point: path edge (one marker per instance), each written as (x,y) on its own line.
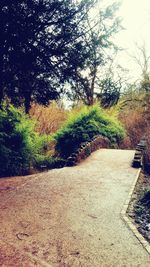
(127,220)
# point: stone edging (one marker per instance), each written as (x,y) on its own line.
(130,224)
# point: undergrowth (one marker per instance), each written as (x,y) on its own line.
(19,143)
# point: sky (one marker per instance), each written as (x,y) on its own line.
(136,21)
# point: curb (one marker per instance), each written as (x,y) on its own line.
(126,219)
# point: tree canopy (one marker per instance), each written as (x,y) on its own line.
(41,47)
(101,48)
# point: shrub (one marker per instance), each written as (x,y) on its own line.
(18,141)
(82,127)
(48,162)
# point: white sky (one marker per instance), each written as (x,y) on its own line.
(136,21)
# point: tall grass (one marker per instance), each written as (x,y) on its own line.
(49,118)
(136,124)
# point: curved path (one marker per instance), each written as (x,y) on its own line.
(70,217)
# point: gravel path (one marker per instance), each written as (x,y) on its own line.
(70,217)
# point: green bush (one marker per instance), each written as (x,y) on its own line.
(48,162)
(18,141)
(83,126)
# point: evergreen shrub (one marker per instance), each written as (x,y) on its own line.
(81,127)
(45,162)
(18,141)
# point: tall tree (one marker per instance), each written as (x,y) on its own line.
(41,47)
(100,47)
(142,58)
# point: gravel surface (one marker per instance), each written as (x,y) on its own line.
(70,217)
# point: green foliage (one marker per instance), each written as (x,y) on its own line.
(83,126)
(48,162)
(18,141)
(110,92)
(45,47)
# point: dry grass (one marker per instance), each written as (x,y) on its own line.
(49,118)
(136,124)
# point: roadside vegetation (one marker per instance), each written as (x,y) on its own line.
(83,126)
(23,147)
(55,54)
(19,142)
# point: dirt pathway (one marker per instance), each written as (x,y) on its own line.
(70,217)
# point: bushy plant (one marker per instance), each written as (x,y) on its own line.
(48,162)
(18,141)
(81,127)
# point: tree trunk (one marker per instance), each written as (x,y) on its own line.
(91,98)
(27,103)
(1,96)
(1,83)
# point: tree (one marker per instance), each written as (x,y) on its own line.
(110,92)
(142,58)
(41,47)
(100,48)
